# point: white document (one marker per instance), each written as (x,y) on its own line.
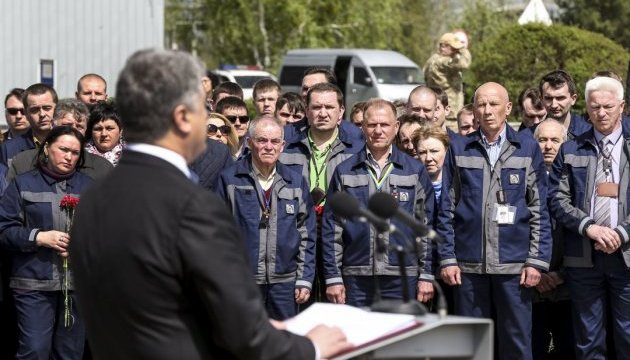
(360,326)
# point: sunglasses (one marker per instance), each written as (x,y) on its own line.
(212,129)
(14,111)
(233,118)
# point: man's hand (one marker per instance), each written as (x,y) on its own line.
(302,295)
(605,238)
(451,275)
(530,276)
(56,240)
(278,325)
(549,281)
(425,291)
(329,340)
(336,294)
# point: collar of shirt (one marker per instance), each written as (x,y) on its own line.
(264,181)
(163,153)
(614,136)
(326,146)
(374,163)
(499,141)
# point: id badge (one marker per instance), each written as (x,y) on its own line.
(607,189)
(504,214)
(318,195)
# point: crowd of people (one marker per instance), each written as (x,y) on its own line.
(533,221)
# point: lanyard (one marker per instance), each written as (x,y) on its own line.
(384,174)
(266,207)
(313,162)
(608,161)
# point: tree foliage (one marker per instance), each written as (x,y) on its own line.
(518,56)
(607,17)
(261,31)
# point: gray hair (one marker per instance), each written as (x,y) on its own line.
(603,83)
(550,120)
(71,106)
(151,85)
(251,130)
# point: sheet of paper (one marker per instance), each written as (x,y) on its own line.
(360,326)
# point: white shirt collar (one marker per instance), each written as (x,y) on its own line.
(163,153)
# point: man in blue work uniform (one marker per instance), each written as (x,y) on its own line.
(350,252)
(495,222)
(589,196)
(272,206)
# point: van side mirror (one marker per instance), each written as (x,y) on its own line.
(361,77)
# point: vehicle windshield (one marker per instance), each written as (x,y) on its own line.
(397,75)
(248,81)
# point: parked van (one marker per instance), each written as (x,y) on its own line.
(362,74)
(245,78)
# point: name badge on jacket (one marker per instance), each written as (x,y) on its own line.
(290,209)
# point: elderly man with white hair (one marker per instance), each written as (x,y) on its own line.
(589,196)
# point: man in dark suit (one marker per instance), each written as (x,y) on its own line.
(161,271)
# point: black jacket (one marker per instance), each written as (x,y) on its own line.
(161,272)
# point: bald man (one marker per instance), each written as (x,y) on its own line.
(495,222)
(422,102)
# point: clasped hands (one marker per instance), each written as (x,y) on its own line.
(606,239)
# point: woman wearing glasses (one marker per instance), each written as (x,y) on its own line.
(221,129)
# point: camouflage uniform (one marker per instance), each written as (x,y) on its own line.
(445,72)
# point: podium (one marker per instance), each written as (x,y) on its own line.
(452,337)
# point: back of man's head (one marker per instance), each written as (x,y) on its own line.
(150,86)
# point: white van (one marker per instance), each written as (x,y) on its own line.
(245,78)
(362,74)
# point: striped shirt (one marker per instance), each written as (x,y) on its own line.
(493,150)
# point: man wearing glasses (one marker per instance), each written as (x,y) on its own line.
(235,110)
(272,206)
(39,101)
(15,115)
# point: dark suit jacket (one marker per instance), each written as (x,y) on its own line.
(161,272)
(209,164)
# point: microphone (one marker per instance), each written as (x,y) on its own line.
(386,206)
(346,206)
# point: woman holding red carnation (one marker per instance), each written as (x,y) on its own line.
(35,213)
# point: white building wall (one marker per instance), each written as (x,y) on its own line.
(81,36)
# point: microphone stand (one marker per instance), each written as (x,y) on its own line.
(379,249)
(406,305)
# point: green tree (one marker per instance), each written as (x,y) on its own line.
(607,17)
(518,56)
(261,31)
